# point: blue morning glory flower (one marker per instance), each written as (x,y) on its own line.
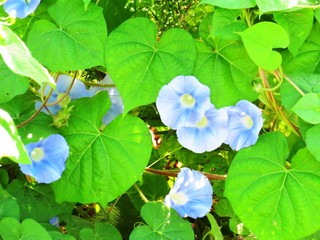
(207,134)
(48,158)
(78,90)
(115,98)
(20,8)
(54,221)
(244,124)
(183,102)
(191,194)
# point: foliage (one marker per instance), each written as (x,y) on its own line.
(121,178)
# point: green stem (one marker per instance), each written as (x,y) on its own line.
(143,197)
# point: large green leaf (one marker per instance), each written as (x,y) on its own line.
(260,39)
(75,40)
(102,164)
(231,4)
(101,231)
(9,206)
(18,58)
(163,223)
(11,84)
(298,25)
(308,108)
(228,71)
(10,228)
(140,65)
(37,202)
(273,200)
(308,83)
(11,145)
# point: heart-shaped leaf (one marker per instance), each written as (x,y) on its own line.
(101,231)
(163,223)
(272,199)
(140,65)
(275,5)
(75,40)
(308,108)
(260,39)
(231,4)
(312,141)
(102,164)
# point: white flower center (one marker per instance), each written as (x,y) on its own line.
(179,198)
(37,154)
(187,100)
(247,121)
(202,123)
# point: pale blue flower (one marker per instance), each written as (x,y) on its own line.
(183,102)
(54,221)
(207,134)
(20,8)
(191,194)
(244,124)
(78,90)
(114,96)
(48,158)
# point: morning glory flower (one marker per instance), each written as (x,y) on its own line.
(191,194)
(78,90)
(207,134)
(20,8)
(183,102)
(244,124)
(115,98)
(54,221)
(48,158)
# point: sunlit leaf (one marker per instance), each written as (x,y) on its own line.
(308,108)
(275,5)
(102,231)
(140,65)
(231,4)
(272,199)
(162,223)
(260,39)
(11,145)
(312,141)
(18,58)
(102,164)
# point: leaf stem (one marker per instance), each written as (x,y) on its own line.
(143,197)
(294,85)
(174,173)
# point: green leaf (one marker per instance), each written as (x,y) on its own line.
(10,228)
(11,83)
(231,4)
(37,202)
(227,71)
(298,25)
(102,231)
(225,24)
(312,141)
(102,164)
(140,66)
(273,201)
(317,14)
(260,39)
(275,5)
(9,206)
(215,229)
(10,142)
(308,108)
(75,40)
(60,236)
(18,58)
(163,223)
(307,83)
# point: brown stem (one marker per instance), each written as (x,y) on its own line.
(174,173)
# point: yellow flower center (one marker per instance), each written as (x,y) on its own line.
(202,123)
(37,154)
(179,198)
(247,121)
(187,100)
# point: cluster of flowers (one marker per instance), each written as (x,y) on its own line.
(184,105)
(20,8)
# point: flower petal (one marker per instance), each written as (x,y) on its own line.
(174,111)
(20,8)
